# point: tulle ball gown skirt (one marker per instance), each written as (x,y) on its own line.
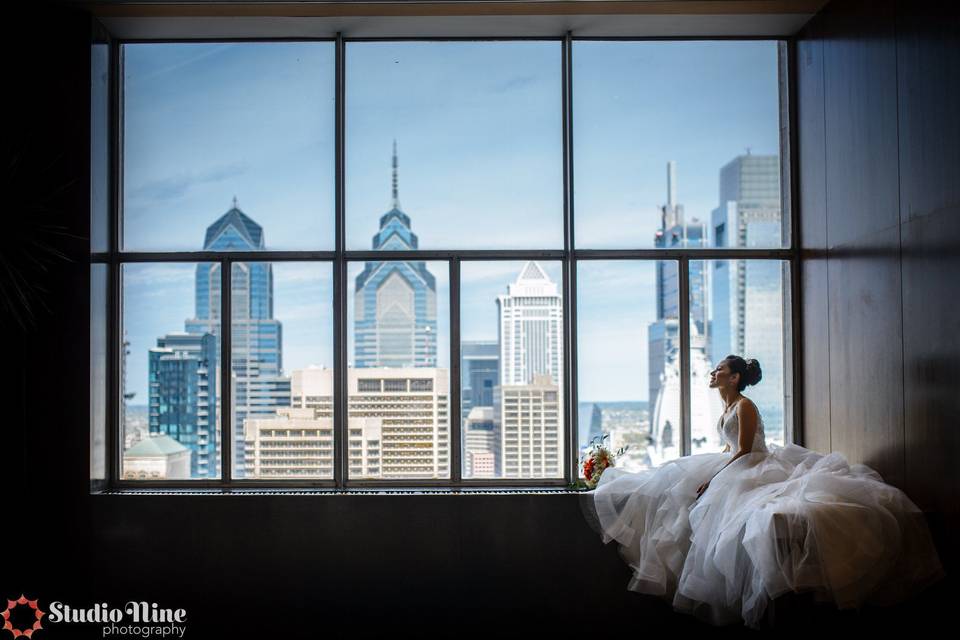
(788,519)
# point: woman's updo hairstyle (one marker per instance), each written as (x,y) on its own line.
(749,370)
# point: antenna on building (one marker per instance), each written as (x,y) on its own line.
(396,197)
(234,202)
(671,184)
(748,150)
(672,213)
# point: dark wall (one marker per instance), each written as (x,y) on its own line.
(879,148)
(305,565)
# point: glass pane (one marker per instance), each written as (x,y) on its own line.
(474,129)
(676,144)
(98,371)
(170,371)
(514,425)
(99,145)
(628,369)
(746,301)
(282,352)
(225,131)
(399,375)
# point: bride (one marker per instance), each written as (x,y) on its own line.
(719,535)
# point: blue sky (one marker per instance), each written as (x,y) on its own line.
(478,131)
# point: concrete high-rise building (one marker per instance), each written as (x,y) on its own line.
(183,397)
(748,294)
(479,373)
(295,443)
(398,424)
(531,328)
(395,302)
(529,401)
(481,444)
(531,428)
(259,387)
(410,408)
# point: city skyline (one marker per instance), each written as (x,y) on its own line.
(395,302)
(155,290)
(724,93)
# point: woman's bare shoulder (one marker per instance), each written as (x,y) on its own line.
(746,404)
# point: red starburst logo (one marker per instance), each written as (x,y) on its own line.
(13,604)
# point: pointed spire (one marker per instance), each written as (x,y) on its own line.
(234,202)
(532,271)
(396,198)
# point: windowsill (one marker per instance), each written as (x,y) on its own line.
(166,491)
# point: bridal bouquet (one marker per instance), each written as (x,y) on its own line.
(596,458)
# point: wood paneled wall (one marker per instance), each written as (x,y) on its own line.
(879,166)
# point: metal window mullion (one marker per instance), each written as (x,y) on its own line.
(449,254)
(453,403)
(571,465)
(236,256)
(462,254)
(114,405)
(676,254)
(684,322)
(341,390)
(571,459)
(226,369)
(719,253)
(788,93)
(341,373)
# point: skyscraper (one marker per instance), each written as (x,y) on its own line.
(528,403)
(531,328)
(395,312)
(481,443)
(479,373)
(183,397)
(748,294)
(258,386)
(664,338)
(531,427)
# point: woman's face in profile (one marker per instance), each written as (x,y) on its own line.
(721,375)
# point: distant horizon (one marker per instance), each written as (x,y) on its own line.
(579,402)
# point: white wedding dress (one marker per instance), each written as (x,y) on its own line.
(777,519)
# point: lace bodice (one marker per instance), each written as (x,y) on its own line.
(729,429)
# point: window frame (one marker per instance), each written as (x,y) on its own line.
(340,257)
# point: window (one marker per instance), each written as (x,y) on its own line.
(445,262)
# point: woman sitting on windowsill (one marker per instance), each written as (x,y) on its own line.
(720,535)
